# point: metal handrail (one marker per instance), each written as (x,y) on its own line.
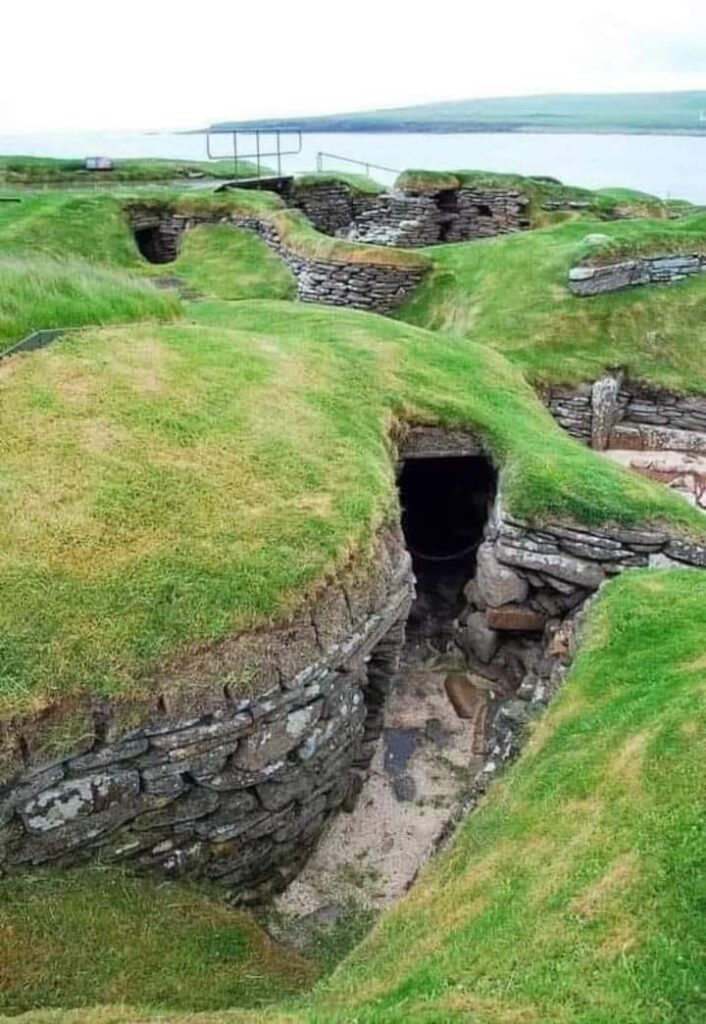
(259,152)
(350,160)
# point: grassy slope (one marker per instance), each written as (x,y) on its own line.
(229,263)
(629,112)
(41,292)
(131,525)
(510,293)
(30,170)
(575,893)
(587,857)
(94,935)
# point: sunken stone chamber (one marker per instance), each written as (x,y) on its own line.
(407,218)
(378,287)
(499,601)
(238,790)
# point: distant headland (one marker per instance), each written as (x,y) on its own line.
(654,113)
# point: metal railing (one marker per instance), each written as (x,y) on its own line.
(321,155)
(277,152)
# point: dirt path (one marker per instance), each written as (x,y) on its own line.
(418,777)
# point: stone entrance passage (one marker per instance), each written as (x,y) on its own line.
(159,242)
(445,504)
(426,752)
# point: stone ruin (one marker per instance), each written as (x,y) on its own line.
(359,284)
(612,277)
(202,781)
(657,432)
(408,217)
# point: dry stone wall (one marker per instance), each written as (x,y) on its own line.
(613,277)
(524,605)
(618,413)
(375,286)
(331,206)
(409,219)
(530,582)
(237,791)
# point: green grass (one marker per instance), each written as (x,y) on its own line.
(96,226)
(359,182)
(42,292)
(163,486)
(230,263)
(72,939)
(510,293)
(575,893)
(38,170)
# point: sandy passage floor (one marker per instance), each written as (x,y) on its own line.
(418,777)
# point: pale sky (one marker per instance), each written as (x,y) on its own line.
(136,64)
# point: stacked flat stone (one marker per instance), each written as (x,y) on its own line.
(378,287)
(618,413)
(399,219)
(529,575)
(566,204)
(411,219)
(611,277)
(572,409)
(374,286)
(483,213)
(237,792)
(660,407)
(525,604)
(330,206)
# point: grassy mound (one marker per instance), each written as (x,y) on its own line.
(166,485)
(41,170)
(96,226)
(510,293)
(573,895)
(71,939)
(231,263)
(40,292)
(359,182)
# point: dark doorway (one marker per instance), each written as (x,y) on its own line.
(158,244)
(447,205)
(445,506)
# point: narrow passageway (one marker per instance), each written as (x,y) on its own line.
(445,504)
(428,754)
(158,243)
